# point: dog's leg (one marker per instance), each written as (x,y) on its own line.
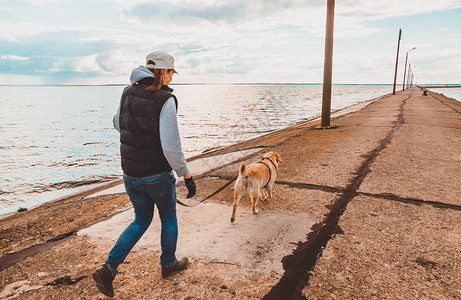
(237,197)
(264,194)
(254,202)
(270,191)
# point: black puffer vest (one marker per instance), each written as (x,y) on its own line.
(140,148)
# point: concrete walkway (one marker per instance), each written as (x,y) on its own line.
(369,210)
(383,189)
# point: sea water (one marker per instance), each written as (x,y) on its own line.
(454,93)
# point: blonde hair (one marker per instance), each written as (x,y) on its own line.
(159,78)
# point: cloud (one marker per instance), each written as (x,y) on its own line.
(86,64)
(13,57)
(56,70)
(167,11)
(115,61)
(41,2)
(13,31)
(238,11)
(372,10)
(102,64)
(438,64)
(216,12)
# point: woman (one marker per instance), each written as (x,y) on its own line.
(150,148)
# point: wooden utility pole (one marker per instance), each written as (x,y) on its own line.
(328,64)
(397,60)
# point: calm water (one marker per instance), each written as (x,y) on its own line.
(454,93)
(55,141)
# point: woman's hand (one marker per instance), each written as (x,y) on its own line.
(191,187)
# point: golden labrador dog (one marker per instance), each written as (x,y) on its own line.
(257,180)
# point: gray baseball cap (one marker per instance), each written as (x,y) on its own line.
(161,59)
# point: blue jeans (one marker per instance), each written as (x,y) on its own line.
(144,192)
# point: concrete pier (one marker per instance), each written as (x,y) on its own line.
(368,210)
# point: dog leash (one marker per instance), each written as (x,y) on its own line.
(195,202)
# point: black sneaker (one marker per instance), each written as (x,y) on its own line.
(104,276)
(175,267)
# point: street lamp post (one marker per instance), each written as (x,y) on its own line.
(412,75)
(397,61)
(405,72)
(408,75)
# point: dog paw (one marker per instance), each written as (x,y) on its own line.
(255,211)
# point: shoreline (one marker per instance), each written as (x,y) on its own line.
(235,83)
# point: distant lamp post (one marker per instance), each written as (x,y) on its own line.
(405,72)
(408,75)
(413,75)
(397,61)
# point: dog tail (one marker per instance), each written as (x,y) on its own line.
(244,180)
(243,170)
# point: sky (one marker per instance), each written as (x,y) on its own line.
(233,41)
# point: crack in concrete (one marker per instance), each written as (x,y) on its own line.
(66,280)
(299,264)
(10,259)
(310,186)
(432,125)
(414,201)
(387,196)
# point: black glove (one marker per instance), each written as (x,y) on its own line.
(191,187)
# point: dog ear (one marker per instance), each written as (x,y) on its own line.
(279,158)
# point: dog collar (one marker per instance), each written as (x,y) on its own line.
(271,162)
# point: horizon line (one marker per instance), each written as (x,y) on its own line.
(235,83)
